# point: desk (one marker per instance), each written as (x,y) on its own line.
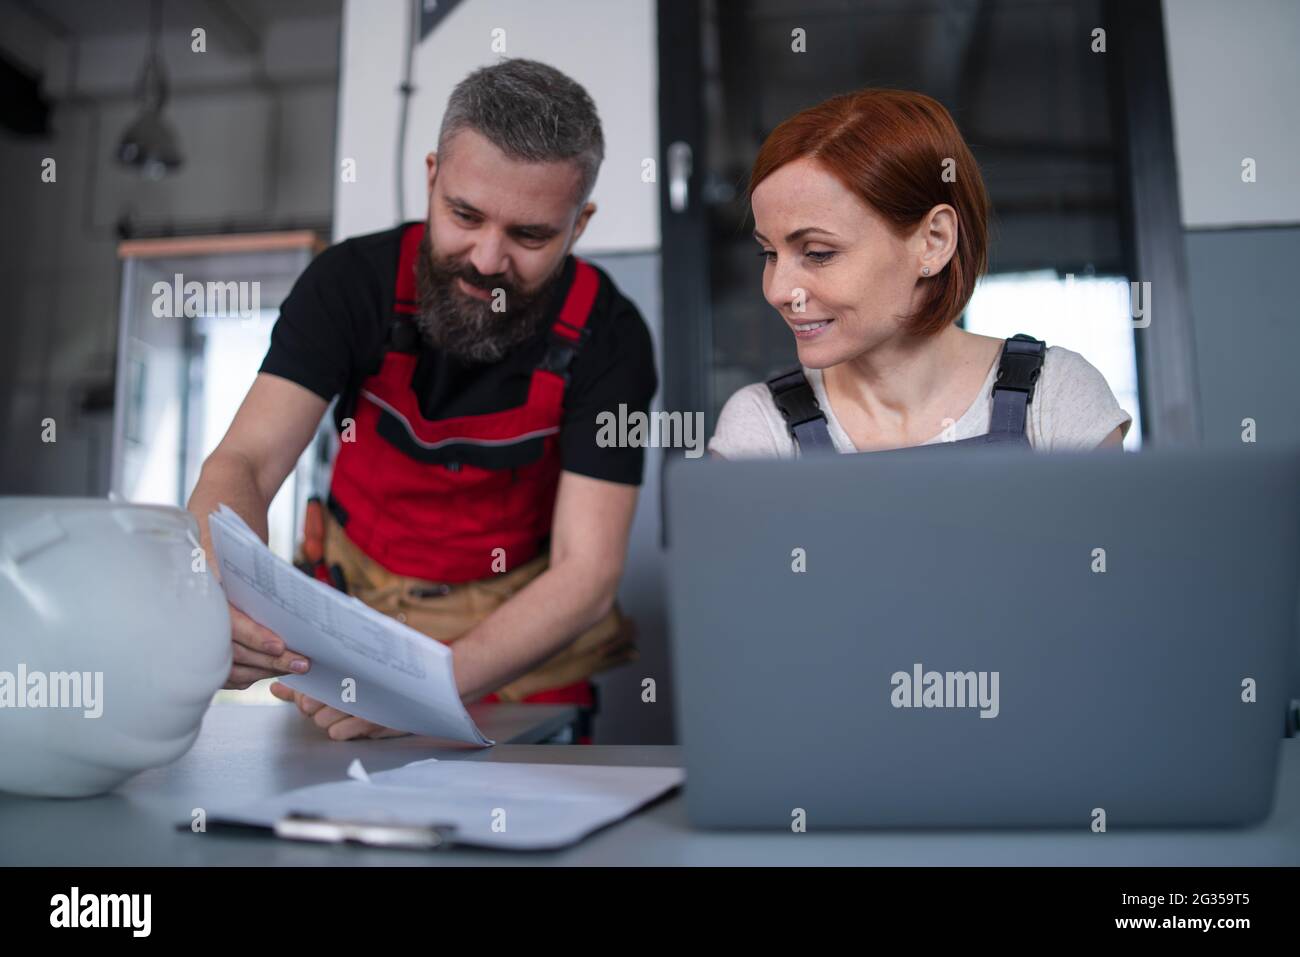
(246,752)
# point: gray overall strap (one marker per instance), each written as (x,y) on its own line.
(1018,371)
(803,416)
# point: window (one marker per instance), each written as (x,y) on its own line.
(1089,315)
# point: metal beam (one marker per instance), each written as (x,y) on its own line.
(1166,348)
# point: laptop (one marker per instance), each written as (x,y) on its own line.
(984,638)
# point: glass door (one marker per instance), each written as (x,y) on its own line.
(196,322)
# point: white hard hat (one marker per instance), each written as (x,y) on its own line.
(113,638)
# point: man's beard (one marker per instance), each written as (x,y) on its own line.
(467,328)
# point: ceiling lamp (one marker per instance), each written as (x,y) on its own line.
(149,143)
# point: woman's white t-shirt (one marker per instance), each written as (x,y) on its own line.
(1072,408)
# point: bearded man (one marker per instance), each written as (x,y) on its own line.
(471,355)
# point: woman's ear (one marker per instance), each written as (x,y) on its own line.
(938,238)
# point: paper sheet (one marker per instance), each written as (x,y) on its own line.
(402,679)
(489,803)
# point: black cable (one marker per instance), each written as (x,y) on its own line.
(405,91)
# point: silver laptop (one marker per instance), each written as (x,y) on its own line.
(984,638)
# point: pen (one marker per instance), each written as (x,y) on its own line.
(299,826)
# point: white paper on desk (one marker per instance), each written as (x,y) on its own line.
(404,679)
(535,806)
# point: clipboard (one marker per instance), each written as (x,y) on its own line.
(433,805)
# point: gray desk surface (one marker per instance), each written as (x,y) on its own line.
(245,752)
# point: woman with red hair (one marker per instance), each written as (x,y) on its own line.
(871,216)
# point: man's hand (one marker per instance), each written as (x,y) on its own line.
(257,653)
(273,425)
(339,725)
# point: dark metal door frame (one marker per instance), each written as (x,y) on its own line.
(1151,214)
(684,272)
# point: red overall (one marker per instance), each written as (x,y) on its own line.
(435,498)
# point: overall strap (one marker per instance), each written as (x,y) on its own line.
(402,334)
(804,418)
(1018,372)
(569,332)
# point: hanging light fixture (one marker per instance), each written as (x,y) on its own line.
(149,143)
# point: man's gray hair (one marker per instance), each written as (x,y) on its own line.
(531,112)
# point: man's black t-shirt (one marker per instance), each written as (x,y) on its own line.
(333,327)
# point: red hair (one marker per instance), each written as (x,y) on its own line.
(891,148)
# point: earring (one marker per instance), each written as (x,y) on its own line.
(925,270)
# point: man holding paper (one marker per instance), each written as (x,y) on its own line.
(471,355)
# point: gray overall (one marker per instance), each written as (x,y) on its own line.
(1013,390)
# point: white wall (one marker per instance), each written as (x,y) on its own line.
(610,48)
(1234,76)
